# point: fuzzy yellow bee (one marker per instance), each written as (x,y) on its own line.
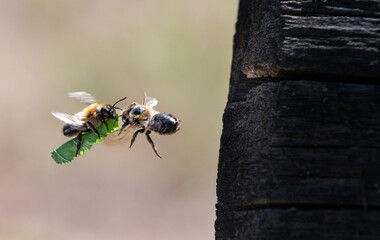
(88,119)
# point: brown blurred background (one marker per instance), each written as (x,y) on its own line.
(179,52)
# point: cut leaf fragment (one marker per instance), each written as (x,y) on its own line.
(66,152)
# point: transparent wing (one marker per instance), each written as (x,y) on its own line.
(83,97)
(67,118)
(150,102)
(114,139)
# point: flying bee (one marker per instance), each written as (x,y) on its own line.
(88,119)
(140,118)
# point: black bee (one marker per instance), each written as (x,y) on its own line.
(88,119)
(140,118)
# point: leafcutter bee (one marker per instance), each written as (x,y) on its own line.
(143,118)
(88,119)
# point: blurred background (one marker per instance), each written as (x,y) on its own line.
(177,51)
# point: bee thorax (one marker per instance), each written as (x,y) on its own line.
(164,124)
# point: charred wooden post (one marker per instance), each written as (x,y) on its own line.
(300,148)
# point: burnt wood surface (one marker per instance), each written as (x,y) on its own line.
(300,148)
(309,39)
(299,224)
(302,143)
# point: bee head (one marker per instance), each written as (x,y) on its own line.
(108,111)
(139,113)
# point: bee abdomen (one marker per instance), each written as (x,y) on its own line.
(69,130)
(164,124)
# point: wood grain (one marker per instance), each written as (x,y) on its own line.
(300,148)
(329,40)
(305,144)
(295,223)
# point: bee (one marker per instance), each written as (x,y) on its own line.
(88,119)
(143,118)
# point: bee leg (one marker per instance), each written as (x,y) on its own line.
(135,135)
(79,143)
(152,143)
(122,127)
(105,123)
(114,121)
(126,123)
(92,128)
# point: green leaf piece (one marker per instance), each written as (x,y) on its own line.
(66,152)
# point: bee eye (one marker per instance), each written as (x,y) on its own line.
(138,111)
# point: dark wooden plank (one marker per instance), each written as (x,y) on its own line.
(302,143)
(240,125)
(262,185)
(293,223)
(340,45)
(329,40)
(313,113)
(299,158)
(363,8)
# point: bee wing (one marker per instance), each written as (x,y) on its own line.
(67,118)
(149,101)
(117,138)
(83,97)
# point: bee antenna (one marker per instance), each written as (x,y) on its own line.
(113,106)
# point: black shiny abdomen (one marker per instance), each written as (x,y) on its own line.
(69,130)
(164,124)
